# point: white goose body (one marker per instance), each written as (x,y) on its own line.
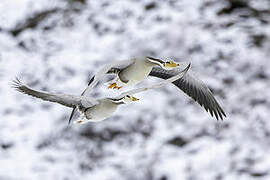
(103,110)
(135,73)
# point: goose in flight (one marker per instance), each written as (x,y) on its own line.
(133,71)
(93,110)
(129,72)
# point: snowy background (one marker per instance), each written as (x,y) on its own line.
(56,45)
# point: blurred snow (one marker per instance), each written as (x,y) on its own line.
(57,46)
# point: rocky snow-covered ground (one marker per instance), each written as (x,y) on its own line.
(56,45)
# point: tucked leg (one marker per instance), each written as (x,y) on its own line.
(114,86)
(80,121)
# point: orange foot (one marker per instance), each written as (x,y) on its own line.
(118,87)
(79,121)
(114,86)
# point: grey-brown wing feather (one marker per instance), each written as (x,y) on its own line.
(113,67)
(64,99)
(195,88)
(180,75)
(120,65)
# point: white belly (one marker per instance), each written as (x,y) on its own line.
(135,73)
(100,112)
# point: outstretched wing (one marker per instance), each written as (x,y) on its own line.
(112,68)
(64,99)
(178,76)
(193,87)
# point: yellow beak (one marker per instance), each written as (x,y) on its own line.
(134,99)
(173,64)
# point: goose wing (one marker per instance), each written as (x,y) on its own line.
(194,88)
(179,75)
(111,68)
(64,99)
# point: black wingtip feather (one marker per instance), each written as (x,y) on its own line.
(207,101)
(223,112)
(216,115)
(91,80)
(211,112)
(71,115)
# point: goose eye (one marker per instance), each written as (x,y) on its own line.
(128,96)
